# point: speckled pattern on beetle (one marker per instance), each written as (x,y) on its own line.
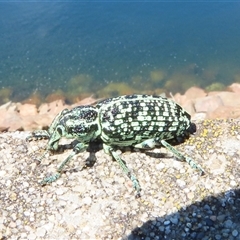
(141,121)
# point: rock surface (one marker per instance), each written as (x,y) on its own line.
(98,202)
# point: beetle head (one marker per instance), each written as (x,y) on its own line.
(80,123)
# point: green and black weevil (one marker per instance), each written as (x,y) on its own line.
(140,121)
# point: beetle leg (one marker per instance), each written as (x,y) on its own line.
(80,147)
(189,160)
(39,134)
(152,143)
(111,151)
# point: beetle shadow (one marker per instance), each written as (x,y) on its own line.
(93,147)
(215,217)
(97,145)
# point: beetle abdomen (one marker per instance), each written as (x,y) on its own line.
(138,117)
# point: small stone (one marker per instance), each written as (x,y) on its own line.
(218,237)
(59,191)
(41,232)
(194,214)
(221,218)
(181,183)
(25,184)
(206,207)
(226,230)
(228,224)
(189,225)
(199,225)
(26,213)
(12,225)
(183,235)
(235,233)
(190,195)
(2,173)
(168,230)
(160,166)
(193,235)
(24,235)
(209,222)
(161,228)
(31,236)
(144,217)
(166,222)
(152,234)
(87,200)
(13,196)
(70,228)
(233,183)
(213,218)
(200,235)
(51,218)
(174,220)
(225,235)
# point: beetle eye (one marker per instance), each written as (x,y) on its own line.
(59,129)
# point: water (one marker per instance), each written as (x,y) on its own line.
(45,45)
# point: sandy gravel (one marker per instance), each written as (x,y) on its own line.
(98,202)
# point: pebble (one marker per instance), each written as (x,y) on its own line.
(209,222)
(228,224)
(160,166)
(218,237)
(213,218)
(190,195)
(235,233)
(193,235)
(174,220)
(32,236)
(181,183)
(87,200)
(166,222)
(161,229)
(25,184)
(233,183)
(41,232)
(225,234)
(221,217)
(12,225)
(2,173)
(59,191)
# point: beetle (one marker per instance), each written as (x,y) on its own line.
(139,121)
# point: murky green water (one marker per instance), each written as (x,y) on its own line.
(81,48)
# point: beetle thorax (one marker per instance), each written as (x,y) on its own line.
(81,123)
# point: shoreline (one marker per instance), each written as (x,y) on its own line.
(199,103)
